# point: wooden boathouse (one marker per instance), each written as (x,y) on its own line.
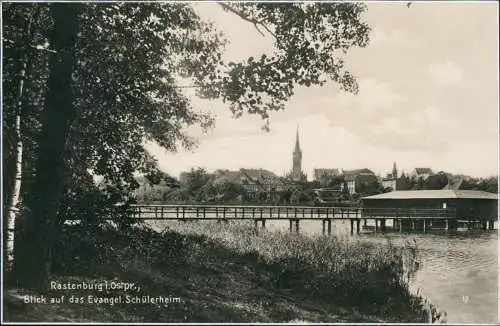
(446,208)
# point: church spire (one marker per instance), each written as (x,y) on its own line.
(297,160)
(297,143)
(394,170)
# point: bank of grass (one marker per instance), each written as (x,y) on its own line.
(229,272)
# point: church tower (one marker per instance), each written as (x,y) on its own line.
(394,171)
(297,174)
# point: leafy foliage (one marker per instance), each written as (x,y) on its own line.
(368,188)
(229,191)
(436,181)
(441,179)
(404,182)
(129,59)
(197,182)
(129,56)
(123,91)
(309,38)
(24,29)
(484,184)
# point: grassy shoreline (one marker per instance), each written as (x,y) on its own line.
(228,273)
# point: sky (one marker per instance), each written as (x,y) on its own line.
(428,98)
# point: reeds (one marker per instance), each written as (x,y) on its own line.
(327,271)
(341,270)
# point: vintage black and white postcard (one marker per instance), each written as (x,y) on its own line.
(250,162)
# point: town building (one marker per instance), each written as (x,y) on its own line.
(391,179)
(354,178)
(252,180)
(257,180)
(423,173)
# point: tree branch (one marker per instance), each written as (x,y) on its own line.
(255,22)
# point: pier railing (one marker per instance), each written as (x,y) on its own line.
(234,212)
(402,213)
(416,217)
(237,212)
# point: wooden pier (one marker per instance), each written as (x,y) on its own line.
(402,219)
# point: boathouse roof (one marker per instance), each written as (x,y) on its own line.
(428,194)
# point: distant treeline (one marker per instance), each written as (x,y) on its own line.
(199,186)
(442,179)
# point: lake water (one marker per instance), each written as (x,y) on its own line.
(459,272)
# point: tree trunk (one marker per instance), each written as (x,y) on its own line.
(15,168)
(14,200)
(18,150)
(32,265)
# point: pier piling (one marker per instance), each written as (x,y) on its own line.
(453,224)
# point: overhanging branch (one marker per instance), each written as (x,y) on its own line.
(256,23)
